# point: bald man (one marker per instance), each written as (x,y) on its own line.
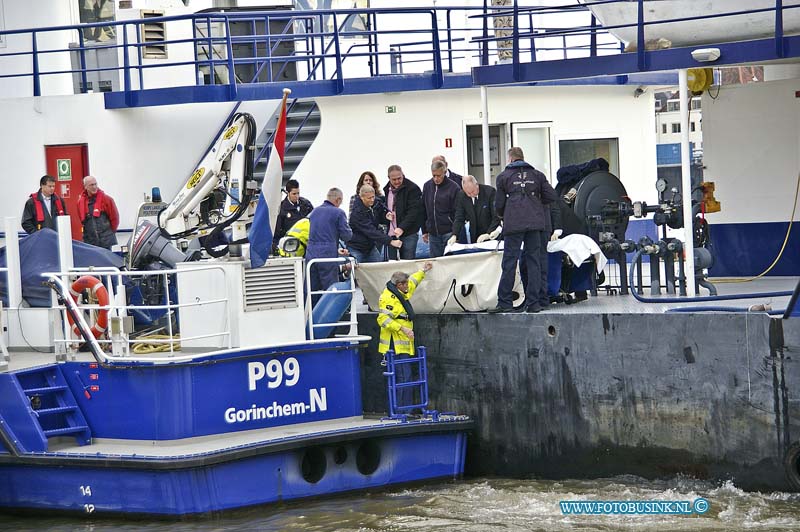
(98,214)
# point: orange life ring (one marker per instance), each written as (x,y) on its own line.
(87,282)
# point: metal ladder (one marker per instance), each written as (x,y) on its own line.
(398,410)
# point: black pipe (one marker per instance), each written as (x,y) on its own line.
(638,255)
(790,307)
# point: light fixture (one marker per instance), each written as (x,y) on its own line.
(706,55)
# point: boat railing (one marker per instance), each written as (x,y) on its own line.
(516,31)
(4,356)
(315,296)
(123,342)
(210,51)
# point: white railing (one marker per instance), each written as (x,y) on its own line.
(353,322)
(117,308)
(4,356)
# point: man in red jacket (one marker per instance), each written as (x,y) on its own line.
(98,214)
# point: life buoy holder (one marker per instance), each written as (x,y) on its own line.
(93,284)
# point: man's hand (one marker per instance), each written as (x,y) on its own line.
(496,233)
(396,244)
(452,240)
(408,332)
(390,216)
(343,252)
(483,238)
(398,232)
(427,266)
(556,234)
(425,238)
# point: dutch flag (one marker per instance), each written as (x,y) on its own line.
(269,200)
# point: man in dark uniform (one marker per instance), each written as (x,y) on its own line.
(328,225)
(43,206)
(522,193)
(293,208)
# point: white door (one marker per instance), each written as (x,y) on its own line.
(534,139)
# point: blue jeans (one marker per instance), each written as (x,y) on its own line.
(409,249)
(511,255)
(438,243)
(373,255)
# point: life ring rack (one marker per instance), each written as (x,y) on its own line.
(94,285)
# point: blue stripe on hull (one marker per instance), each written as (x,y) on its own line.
(247,482)
(747,249)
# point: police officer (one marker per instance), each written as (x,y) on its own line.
(522,193)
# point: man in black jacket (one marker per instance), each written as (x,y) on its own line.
(293,208)
(475,204)
(404,201)
(522,194)
(43,206)
(368,237)
(439,198)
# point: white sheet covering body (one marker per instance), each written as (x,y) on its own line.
(470,279)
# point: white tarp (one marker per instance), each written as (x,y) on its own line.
(470,279)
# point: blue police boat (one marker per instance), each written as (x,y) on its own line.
(253,409)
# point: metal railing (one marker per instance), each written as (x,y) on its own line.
(321,45)
(310,300)
(323,48)
(115,282)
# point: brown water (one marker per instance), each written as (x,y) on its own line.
(479,505)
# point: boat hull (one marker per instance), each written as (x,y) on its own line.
(105,485)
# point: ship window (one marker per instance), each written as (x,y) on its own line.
(695,103)
(582,150)
(153,35)
(692,126)
(663,128)
(676,128)
(674,105)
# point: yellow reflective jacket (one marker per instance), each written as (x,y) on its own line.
(392,317)
(299,231)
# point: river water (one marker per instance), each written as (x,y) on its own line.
(479,505)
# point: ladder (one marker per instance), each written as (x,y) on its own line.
(54,410)
(407,388)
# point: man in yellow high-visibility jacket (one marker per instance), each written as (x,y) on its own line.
(298,231)
(395,314)
(396,319)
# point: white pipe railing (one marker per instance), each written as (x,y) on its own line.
(353,323)
(119,308)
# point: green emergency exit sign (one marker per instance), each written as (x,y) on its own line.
(64,168)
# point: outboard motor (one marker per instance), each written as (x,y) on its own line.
(147,243)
